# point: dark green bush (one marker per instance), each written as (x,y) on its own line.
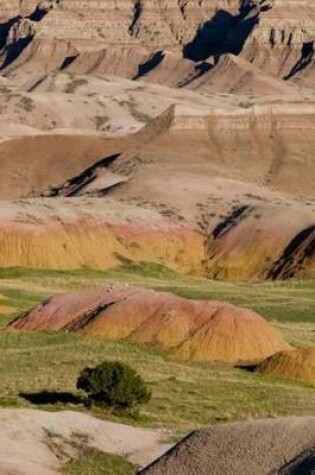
(113,384)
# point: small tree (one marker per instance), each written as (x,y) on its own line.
(113,384)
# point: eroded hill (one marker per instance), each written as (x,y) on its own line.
(184,44)
(181,131)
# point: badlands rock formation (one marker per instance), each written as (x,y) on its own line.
(192,330)
(227,222)
(275,36)
(284,446)
(178,132)
(296,364)
(87,111)
(75,234)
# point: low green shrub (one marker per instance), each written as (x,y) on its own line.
(113,384)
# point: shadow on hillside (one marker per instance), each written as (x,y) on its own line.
(224,33)
(307,54)
(15,48)
(51,397)
(299,250)
(5,28)
(200,69)
(250,368)
(210,36)
(149,65)
(67,61)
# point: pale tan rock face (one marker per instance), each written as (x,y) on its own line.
(275,44)
(89,20)
(157,24)
(27,7)
(171,22)
(270,34)
(164,23)
(22,29)
(11,8)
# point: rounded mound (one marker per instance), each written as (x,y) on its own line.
(232,334)
(293,364)
(189,329)
(282,446)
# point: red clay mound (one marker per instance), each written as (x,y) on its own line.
(281,446)
(196,330)
(293,364)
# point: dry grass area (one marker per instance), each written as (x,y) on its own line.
(41,369)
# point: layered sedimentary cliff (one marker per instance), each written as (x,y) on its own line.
(276,36)
(229,178)
(67,235)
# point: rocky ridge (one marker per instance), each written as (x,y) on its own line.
(275,36)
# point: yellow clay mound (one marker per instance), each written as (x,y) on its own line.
(233,334)
(293,364)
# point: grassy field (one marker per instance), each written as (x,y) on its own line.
(185,396)
(282,302)
(41,369)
